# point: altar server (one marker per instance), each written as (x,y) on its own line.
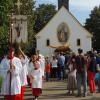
(11,88)
(36,78)
(24,72)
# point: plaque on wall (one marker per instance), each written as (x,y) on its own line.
(63,33)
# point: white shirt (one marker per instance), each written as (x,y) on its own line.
(54,63)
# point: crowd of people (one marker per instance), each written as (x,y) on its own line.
(83,71)
(78,69)
(18,71)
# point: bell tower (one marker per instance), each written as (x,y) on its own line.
(63,3)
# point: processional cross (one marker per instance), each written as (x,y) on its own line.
(18,28)
(18,4)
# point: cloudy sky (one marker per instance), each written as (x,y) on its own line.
(79,8)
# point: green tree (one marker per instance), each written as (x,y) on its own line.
(5,8)
(42,15)
(93,25)
(9,6)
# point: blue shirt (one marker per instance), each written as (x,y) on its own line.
(61,61)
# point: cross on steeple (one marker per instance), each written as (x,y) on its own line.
(18,4)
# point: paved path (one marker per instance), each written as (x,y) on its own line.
(56,91)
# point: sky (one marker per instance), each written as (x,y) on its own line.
(79,8)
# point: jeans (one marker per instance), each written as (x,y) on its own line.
(82,79)
(98,83)
(61,73)
(47,76)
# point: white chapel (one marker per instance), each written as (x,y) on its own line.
(63,30)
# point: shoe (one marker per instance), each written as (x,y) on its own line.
(68,93)
(79,95)
(84,95)
(91,94)
(98,92)
(35,98)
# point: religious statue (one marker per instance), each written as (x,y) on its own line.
(62,33)
(18,30)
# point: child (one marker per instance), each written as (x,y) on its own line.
(36,78)
(47,69)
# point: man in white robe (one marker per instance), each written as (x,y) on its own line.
(11,87)
(24,71)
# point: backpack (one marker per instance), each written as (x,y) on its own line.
(80,62)
(93,65)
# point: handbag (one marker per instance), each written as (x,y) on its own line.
(97,76)
(67,71)
(97,68)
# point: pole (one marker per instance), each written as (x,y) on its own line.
(10,45)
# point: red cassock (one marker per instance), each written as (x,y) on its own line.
(22,92)
(36,91)
(12,97)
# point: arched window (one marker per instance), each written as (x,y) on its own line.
(78,42)
(47,42)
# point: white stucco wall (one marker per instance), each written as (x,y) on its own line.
(50,32)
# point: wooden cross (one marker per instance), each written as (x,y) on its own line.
(18,4)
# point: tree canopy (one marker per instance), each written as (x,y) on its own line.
(5,8)
(93,25)
(42,15)
(38,17)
